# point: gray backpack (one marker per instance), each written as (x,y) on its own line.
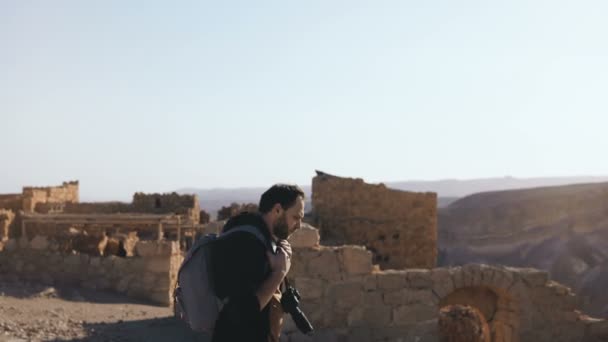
(195,300)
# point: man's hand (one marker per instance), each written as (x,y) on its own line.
(280,262)
(285,246)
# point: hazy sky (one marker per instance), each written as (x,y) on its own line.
(149,96)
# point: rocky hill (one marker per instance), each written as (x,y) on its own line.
(561,229)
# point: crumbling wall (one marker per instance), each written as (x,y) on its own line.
(234,209)
(12,202)
(347,298)
(149,275)
(187,205)
(84,208)
(65,193)
(400,228)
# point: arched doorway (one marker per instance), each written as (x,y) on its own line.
(495,305)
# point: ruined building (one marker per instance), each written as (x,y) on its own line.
(399,227)
(47,234)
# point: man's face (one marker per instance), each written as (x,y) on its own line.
(289,220)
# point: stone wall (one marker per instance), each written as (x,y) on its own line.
(400,228)
(67,192)
(13,202)
(234,209)
(184,205)
(84,208)
(150,275)
(187,205)
(349,299)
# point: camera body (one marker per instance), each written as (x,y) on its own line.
(290,301)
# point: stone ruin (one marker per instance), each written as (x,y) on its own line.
(135,248)
(234,209)
(348,298)
(399,227)
(350,290)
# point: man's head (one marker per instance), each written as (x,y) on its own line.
(283,209)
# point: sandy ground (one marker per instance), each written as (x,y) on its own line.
(32,312)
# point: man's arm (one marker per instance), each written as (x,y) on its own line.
(279,264)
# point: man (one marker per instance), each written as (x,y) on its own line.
(248,273)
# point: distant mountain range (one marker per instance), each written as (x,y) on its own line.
(448,190)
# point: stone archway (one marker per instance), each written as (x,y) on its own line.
(495,306)
(462,323)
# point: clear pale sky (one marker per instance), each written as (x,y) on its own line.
(152,96)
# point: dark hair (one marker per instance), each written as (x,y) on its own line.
(284,194)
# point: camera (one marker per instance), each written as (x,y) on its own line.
(290,301)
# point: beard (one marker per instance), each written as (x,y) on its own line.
(281,229)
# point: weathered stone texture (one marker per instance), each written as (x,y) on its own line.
(305,237)
(226,212)
(65,193)
(392,305)
(399,227)
(151,277)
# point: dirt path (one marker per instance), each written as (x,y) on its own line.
(30,312)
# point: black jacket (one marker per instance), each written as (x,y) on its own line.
(240,266)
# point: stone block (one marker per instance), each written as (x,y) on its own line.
(345,294)
(442,282)
(502,278)
(356,260)
(374,298)
(39,242)
(95,261)
(427,297)
(457,277)
(10,245)
(355,317)
(160,297)
(533,277)
(156,248)
(123,285)
(391,280)
(325,265)
(334,317)
(310,288)
(157,264)
(419,278)
(396,297)
(72,260)
(23,242)
(370,282)
(305,237)
(377,316)
(407,314)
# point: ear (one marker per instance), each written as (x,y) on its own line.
(277,208)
